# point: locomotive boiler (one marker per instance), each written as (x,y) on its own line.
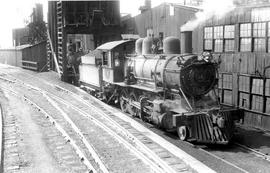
(175,91)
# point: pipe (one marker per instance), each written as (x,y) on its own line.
(54,55)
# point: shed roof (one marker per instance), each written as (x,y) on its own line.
(187,7)
(112,44)
(23,46)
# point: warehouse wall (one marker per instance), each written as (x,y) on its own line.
(11,57)
(36,53)
(166,18)
(242,82)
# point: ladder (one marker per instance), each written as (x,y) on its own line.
(49,53)
(60,35)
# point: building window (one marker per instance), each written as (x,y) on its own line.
(245,37)
(245,44)
(208,32)
(259,29)
(229,45)
(259,44)
(218,38)
(208,38)
(268,36)
(218,45)
(229,31)
(208,45)
(259,32)
(229,37)
(260,14)
(245,30)
(218,32)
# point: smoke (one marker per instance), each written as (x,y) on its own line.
(210,8)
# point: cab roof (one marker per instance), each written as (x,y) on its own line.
(111,45)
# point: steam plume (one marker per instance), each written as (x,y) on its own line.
(210,8)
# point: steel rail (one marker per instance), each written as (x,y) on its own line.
(145,149)
(257,153)
(78,131)
(217,157)
(59,128)
(75,128)
(154,165)
(1,138)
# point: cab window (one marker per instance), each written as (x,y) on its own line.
(105,59)
(116,59)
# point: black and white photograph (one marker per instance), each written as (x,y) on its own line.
(135,86)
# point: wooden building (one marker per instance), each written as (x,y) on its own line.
(32,57)
(161,21)
(86,24)
(241,41)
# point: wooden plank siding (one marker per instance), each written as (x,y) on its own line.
(35,57)
(160,20)
(11,57)
(249,64)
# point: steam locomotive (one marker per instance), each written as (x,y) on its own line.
(175,91)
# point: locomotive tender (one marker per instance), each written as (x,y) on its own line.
(174,91)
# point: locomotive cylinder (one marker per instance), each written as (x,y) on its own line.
(186,42)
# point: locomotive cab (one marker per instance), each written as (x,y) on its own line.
(103,67)
(113,57)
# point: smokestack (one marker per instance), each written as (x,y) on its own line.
(186,42)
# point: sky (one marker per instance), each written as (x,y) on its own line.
(14,13)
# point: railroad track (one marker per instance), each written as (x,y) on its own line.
(60,128)
(108,111)
(145,145)
(238,145)
(257,153)
(164,163)
(241,147)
